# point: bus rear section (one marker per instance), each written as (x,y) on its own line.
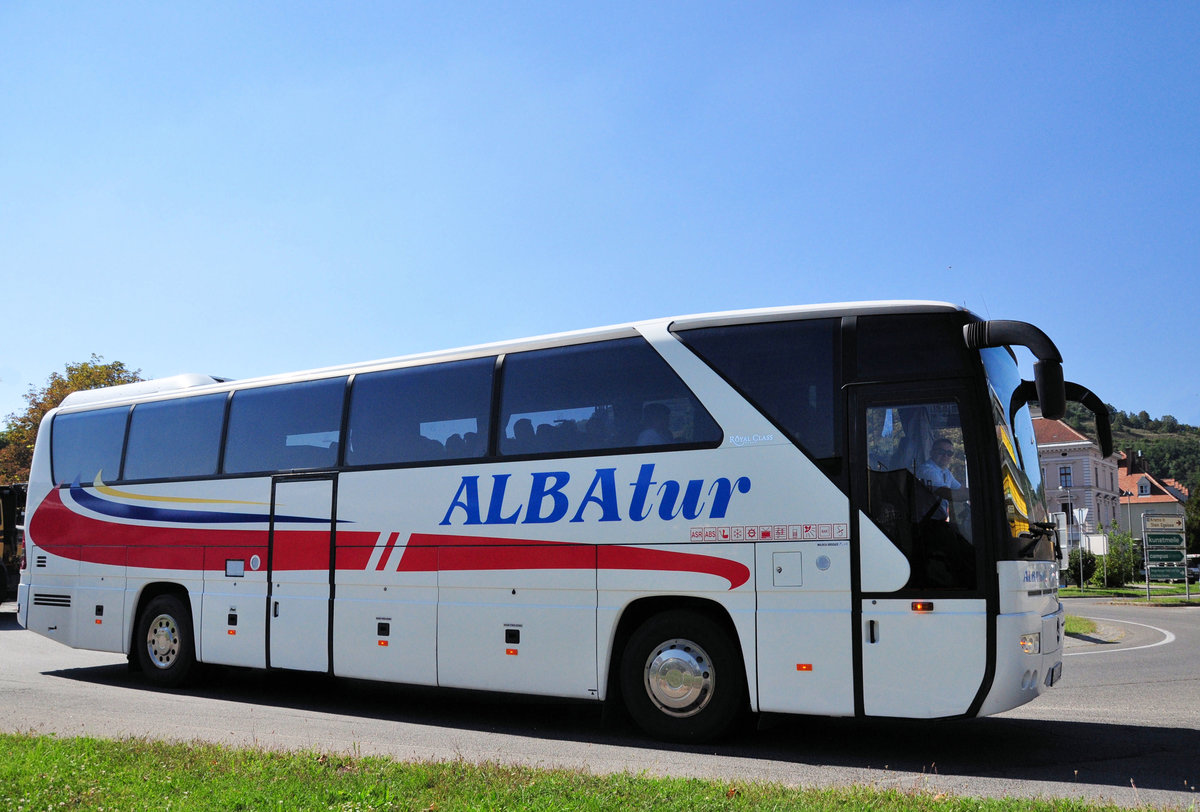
(699,517)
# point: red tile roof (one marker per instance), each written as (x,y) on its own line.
(1178,486)
(1128,483)
(1050,432)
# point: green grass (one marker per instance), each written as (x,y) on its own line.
(41,772)
(1159,593)
(1079,625)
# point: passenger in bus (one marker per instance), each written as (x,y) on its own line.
(456,447)
(936,474)
(656,425)
(523,438)
(544,438)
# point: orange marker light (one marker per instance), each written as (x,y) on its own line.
(804,666)
(922,606)
(383,643)
(232,631)
(98,621)
(512,652)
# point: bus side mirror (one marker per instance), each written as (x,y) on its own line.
(1047,371)
(1085,397)
(1048,378)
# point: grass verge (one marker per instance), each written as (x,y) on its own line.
(1172,594)
(1079,625)
(42,772)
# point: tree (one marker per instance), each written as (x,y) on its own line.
(21,429)
(1089,566)
(1119,566)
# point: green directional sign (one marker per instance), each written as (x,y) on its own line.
(1165,556)
(1173,540)
(1164,548)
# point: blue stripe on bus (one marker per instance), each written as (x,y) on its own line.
(143,513)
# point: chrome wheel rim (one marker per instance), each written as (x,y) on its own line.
(162,641)
(679,677)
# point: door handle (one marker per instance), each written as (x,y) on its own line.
(872,631)
(275,611)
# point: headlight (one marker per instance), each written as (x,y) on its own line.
(1031,643)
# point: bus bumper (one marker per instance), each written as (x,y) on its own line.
(1028,659)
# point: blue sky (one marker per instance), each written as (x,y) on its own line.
(249,188)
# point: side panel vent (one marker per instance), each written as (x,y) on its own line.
(48,599)
(40,561)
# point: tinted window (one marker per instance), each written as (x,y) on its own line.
(85,445)
(918,489)
(175,438)
(614,394)
(421,413)
(908,346)
(285,428)
(787,369)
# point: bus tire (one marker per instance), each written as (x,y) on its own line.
(682,677)
(164,643)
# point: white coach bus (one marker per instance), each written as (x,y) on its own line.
(827,510)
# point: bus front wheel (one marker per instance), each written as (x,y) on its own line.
(164,641)
(682,678)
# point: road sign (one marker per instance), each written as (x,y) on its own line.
(1165,549)
(1165,556)
(1171,540)
(1163,522)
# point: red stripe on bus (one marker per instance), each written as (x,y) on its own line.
(489,553)
(189,548)
(387,551)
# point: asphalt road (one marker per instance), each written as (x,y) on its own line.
(1123,726)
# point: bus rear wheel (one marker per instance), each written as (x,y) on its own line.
(164,641)
(682,677)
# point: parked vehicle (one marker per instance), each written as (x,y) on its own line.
(12,536)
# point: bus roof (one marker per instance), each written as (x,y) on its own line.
(194,383)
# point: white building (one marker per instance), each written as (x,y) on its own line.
(1077,476)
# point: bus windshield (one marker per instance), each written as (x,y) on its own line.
(1024,491)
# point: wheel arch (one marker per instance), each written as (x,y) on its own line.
(148,593)
(642,609)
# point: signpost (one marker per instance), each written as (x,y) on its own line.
(1165,549)
(1081,519)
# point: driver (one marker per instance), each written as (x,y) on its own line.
(936,474)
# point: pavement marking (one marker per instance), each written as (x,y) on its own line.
(1168,637)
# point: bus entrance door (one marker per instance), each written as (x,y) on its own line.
(298,597)
(923,613)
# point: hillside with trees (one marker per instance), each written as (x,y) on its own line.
(1169,449)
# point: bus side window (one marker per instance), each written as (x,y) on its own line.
(917,490)
(85,445)
(283,428)
(175,438)
(789,371)
(593,397)
(421,414)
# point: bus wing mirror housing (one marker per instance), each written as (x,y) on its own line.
(1084,396)
(1047,371)
(1075,393)
(1052,396)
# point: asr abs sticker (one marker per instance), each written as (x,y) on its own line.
(773,532)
